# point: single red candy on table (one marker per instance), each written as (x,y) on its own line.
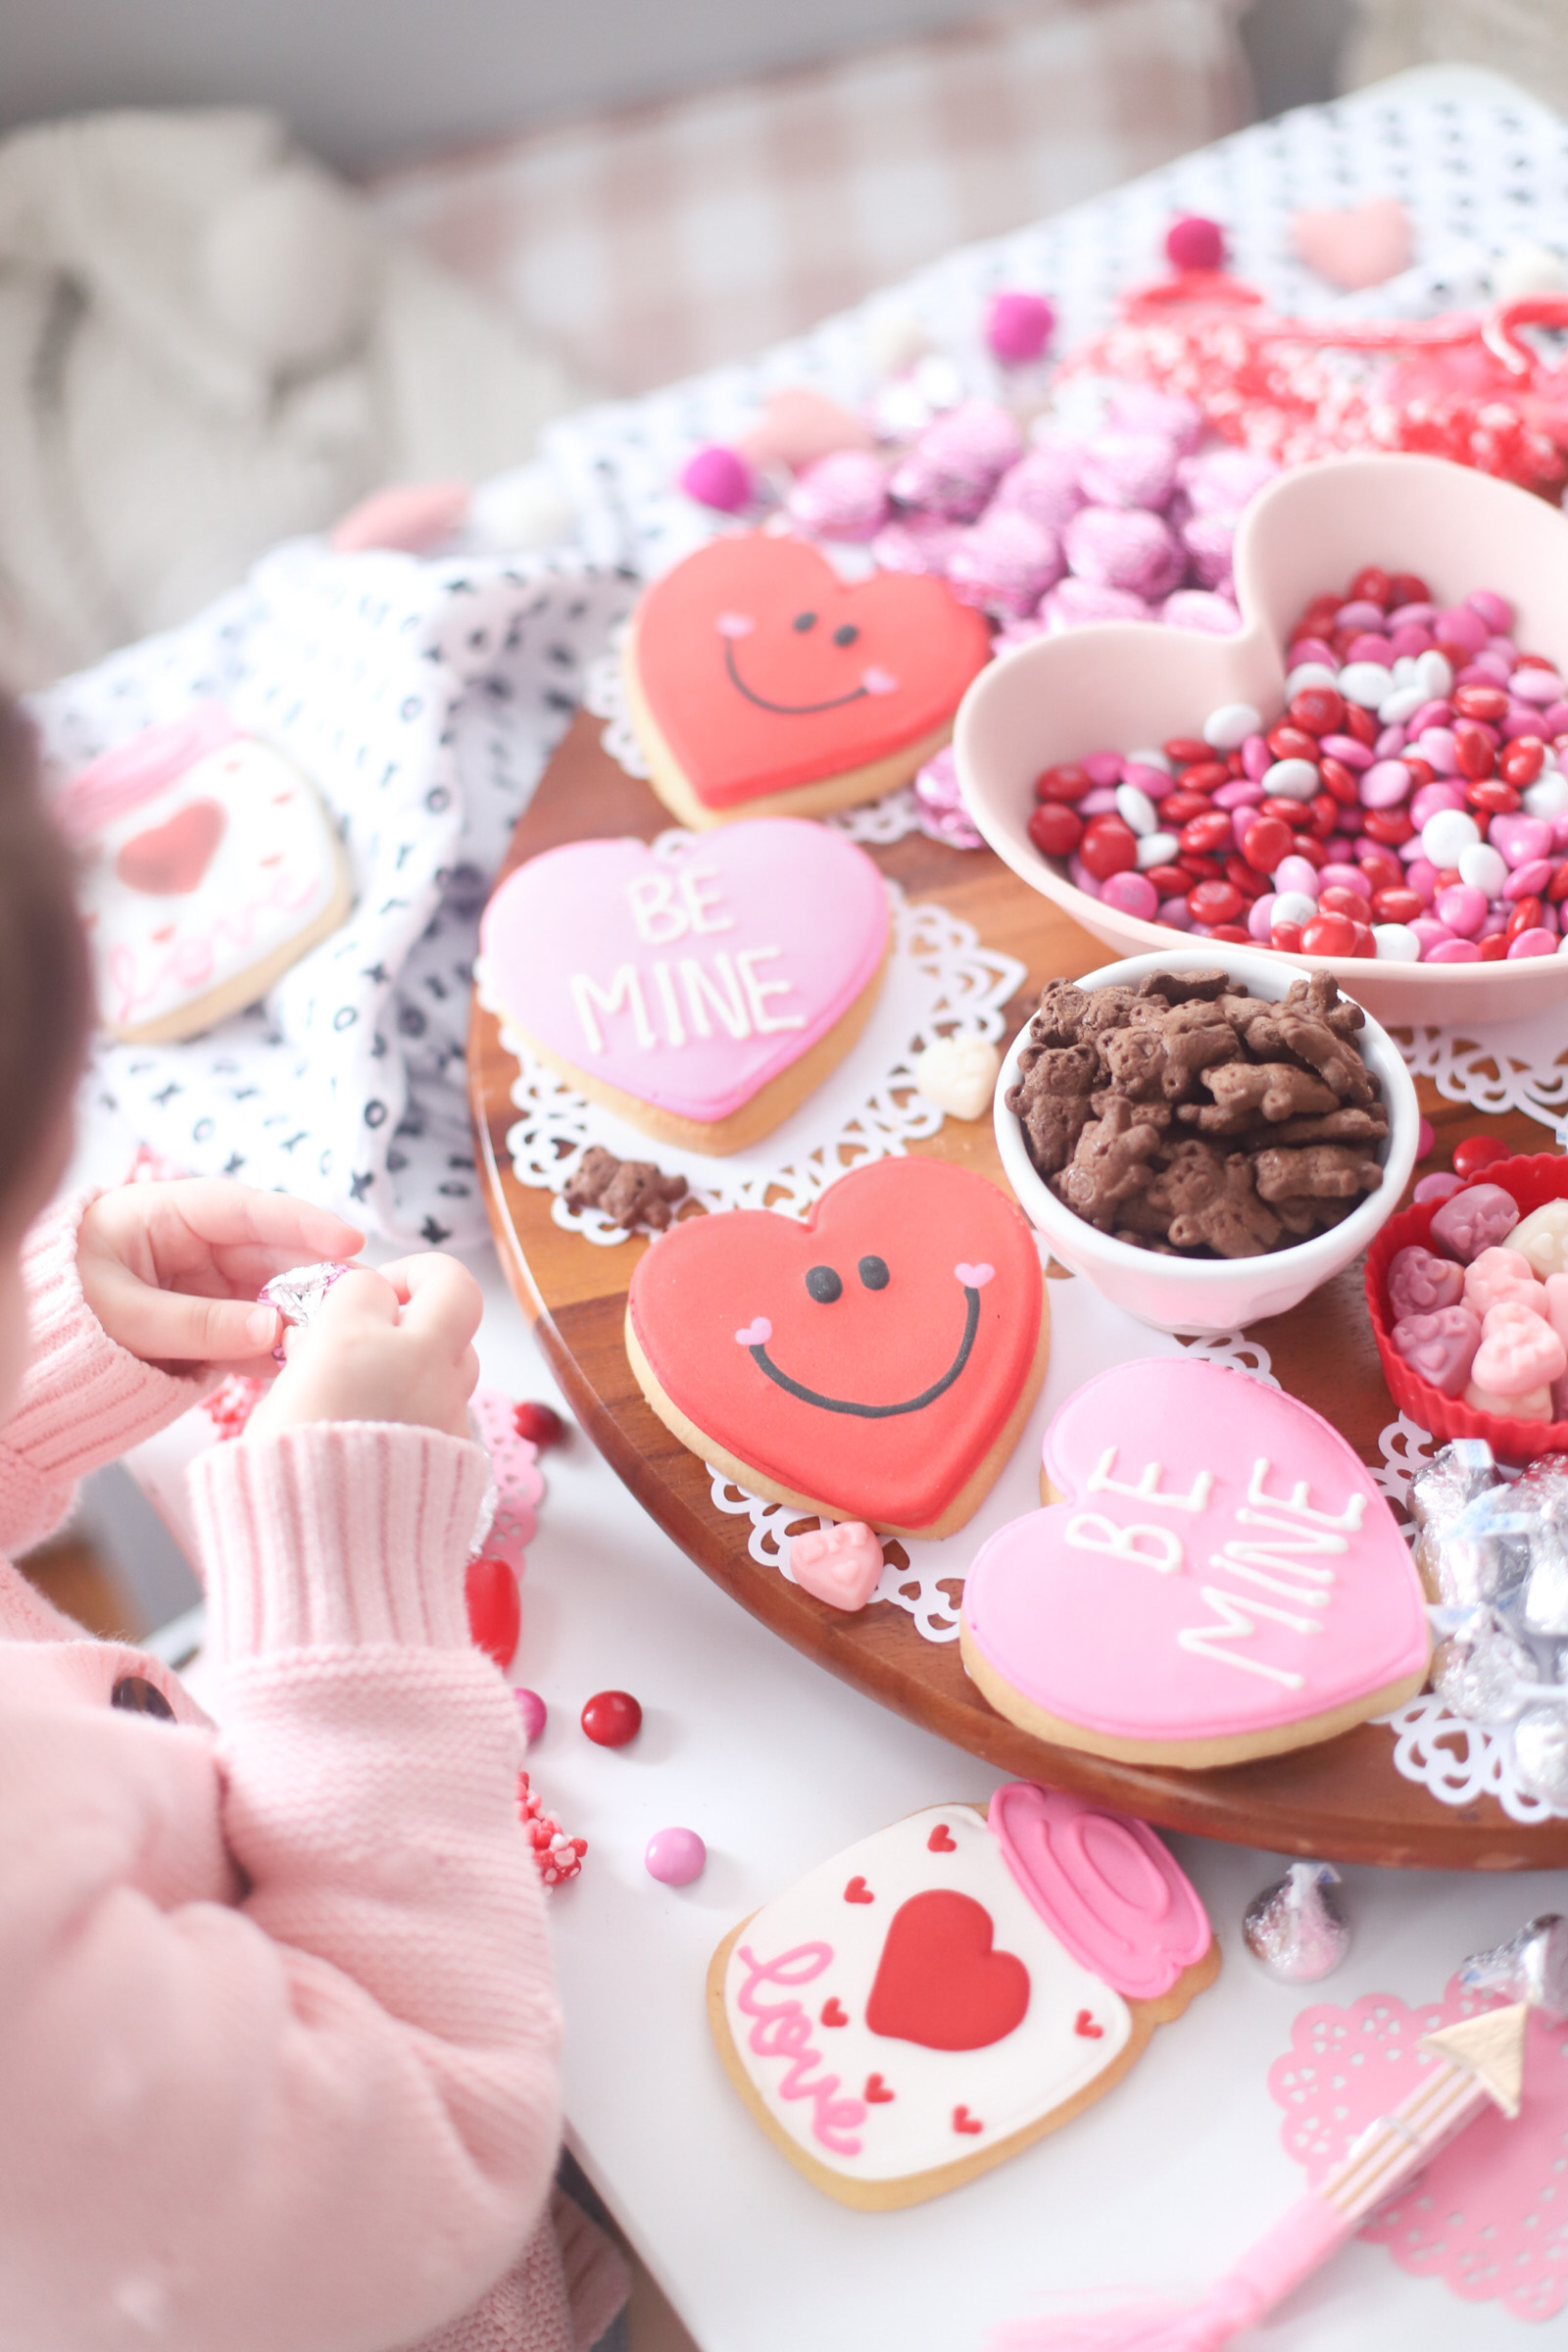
(1477,1152)
(539,1423)
(495,1612)
(612,1718)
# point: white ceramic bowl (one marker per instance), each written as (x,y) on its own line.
(1126,683)
(1214,1294)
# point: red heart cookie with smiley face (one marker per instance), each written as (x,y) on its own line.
(874,1362)
(758,678)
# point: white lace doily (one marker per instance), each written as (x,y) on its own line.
(876,825)
(940,981)
(1088,1335)
(1509,1065)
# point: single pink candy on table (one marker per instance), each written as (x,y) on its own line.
(1420,1282)
(1440,1346)
(674,1857)
(838,1564)
(1018,326)
(1475,1218)
(403,518)
(1498,1274)
(1519,1352)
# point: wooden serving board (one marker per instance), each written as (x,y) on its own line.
(1342,1800)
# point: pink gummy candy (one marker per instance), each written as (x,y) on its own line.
(839,1564)
(1005,564)
(1519,1352)
(1420,1282)
(1441,1346)
(1473,1220)
(917,543)
(1111,548)
(1502,1274)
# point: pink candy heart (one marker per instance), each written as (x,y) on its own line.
(1519,1352)
(1420,1282)
(1501,1274)
(839,1564)
(1474,1219)
(1440,1346)
(1363,245)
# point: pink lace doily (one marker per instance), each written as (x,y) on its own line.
(1490,2214)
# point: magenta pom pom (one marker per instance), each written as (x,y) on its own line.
(1194,243)
(1018,326)
(717,477)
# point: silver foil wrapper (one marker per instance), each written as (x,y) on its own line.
(1479,1666)
(298,1294)
(1296,1928)
(1541,1753)
(1532,1966)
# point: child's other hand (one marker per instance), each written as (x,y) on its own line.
(392,1346)
(171,1270)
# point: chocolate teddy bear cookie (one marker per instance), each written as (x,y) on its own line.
(1190,1116)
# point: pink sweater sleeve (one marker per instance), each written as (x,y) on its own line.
(325,2118)
(83,1400)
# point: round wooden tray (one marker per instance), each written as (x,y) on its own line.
(1342,1800)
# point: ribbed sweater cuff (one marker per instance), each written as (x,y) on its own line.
(335,1534)
(84,1399)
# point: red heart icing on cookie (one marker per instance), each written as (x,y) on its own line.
(940,1983)
(834,2014)
(942,1840)
(963,2121)
(168,859)
(1225,1572)
(1084,2024)
(876,2092)
(763,671)
(857,1891)
(867,1358)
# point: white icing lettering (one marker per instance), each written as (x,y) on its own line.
(674,1027)
(1091,1531)
(1148,1489)
(1288,1555)
(1347,1521)
(624,993)
(1238,1622)
(697,905)
(730,1007)
(654,912)
(759,990)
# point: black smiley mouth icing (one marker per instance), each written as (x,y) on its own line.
(786,709)
(873,681)
(754,1337)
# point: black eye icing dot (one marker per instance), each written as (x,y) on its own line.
(823,1285)
(138,1696)
(874,1272)
(805,620)
(847,634)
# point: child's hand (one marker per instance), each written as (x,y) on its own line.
(391,1345)
(171,1270)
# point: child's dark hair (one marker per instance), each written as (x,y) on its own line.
(45,982)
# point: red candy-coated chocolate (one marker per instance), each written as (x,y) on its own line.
(1324,811)
(1290,743)
(1211,831)
(1307,846)
(1492,795)
(1397,906)
(1205,776)
(1474,1153)
(1472,751)
(1248,880)
(1372,585)
(1287,937)
(1182,750)
(1214,903)
(1108,847)
(1521,763)
(1494,948)
(612,1717)
(1387,824)
(1361,725)
(1055,829)
(1525,917)
(1339,782)
(1480,701)
(1406,588)
(1382,873)
(1232,934)
(1168,880)
(1063,782)
(1557,887)
(1178,807)
(1265,842)
(1327,935)
(1197,869)
(495,1613)
(540,1424)
(1338,899)
(1318,710)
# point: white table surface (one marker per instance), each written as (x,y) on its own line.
(1155,2191)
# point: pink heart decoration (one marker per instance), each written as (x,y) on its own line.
(1420,1282)
(1362,246)
(168,861)
(692,978)
(1441,1346)
(840,1564)
(1224,1573)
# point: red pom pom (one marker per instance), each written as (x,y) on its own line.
(1194,243)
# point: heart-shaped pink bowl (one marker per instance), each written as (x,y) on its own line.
(1534,1179)
(1126,683)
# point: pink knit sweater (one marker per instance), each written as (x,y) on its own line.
(279,2044)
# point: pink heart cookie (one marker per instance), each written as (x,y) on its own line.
(1224,1580)
(679,984)
(1499,1274)
(1440,1347)
(1363,245)
(838,1564)
(1519,1352)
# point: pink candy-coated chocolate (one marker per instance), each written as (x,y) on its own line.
(1463,908)
(1385,784)
(838,1564)
(1522,840)
(1441,1185)
(1495,1276)
(674,1857)
(1420,1282)
(1519,1352)
(1131,893)
(1535,942)
(1474,1219)
(1441,1346)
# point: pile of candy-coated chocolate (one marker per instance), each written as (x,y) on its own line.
(1494,1553)
(1408,802)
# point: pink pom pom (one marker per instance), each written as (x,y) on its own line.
(1018,326)
(717,477)
(1195,243)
